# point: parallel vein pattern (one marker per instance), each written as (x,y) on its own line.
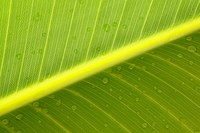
(156,92)
(41,38)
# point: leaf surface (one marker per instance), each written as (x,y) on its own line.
(42,40)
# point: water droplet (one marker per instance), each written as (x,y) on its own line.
(189,38)
(70,10)
(89,29)
(75,51)
(138,113)
(37,17)
(131,66)
(152,64)
(33,52)
(124,26)
(58,103)
(137,99)
(120,97)
(110,90)
(19,56)
(18,17)
(192,49)
(105,80)
(36,104)
(119,68)
(106,27)
(191,62)
(74,107)
(40,51)
(98,49)
(155,88)
(39,121)
(44,34)
(5,121)
(180,55)
(105,125)
(141,57)
(19,117)
(144,125)
(159,91)
(114,24)
(167,126)
(81,2)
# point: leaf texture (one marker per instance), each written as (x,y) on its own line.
(155,92)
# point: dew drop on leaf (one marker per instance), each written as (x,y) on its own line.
(18,56)
(191,62)
(89,29)
(159,91)
(131,66)
(119,68)
(167,126)
(75,51)
(138,113)
(36,104)
(19,117)
(137,99)
(39,121)
(180,55)
(106,27)
(144,125)
(189,38)
(120,97)
(81,2)
(105,80)
(44,34)
(40,51)
(192,49)
(105,125)
(114,24)
(5,121)
(124,26)
(74,107)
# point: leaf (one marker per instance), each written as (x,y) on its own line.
(54,40)
(157,91)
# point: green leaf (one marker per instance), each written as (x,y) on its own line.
(48,45)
